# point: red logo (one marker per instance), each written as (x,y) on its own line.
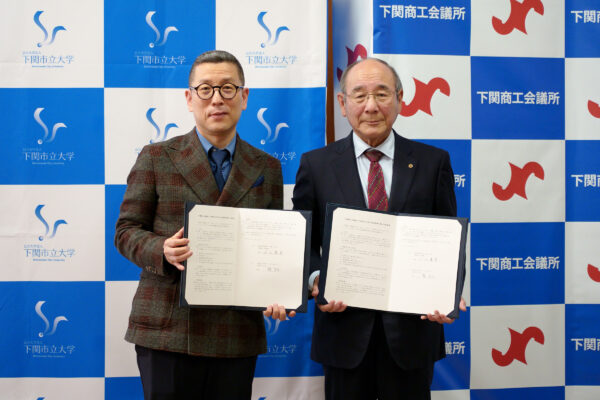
(518,344)
(423,94)
(518,179)
(594,109)
(594,273)
(359,51)
(518,13)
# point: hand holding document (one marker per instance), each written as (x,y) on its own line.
(247,258)
(400,263)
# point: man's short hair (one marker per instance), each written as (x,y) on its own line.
(215,57)
(397,81)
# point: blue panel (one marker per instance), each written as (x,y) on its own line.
(285,123)
(502,102)
(582,28)
(423,27)
(123,389)
(582,344)
(154,45)
(546,393)
(288,345)
(583,180)
(118,268)
(454,371)
(56,329)
(460,158)
(56,136)
(517,263)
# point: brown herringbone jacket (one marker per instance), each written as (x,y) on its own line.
(164,177)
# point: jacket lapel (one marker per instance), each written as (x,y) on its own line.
(346,172)
(191,161)
(245,170)
(405,166)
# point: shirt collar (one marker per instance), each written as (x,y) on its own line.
(387,147)
(206,145)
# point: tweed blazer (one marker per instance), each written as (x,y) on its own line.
(164,177)
(422,183)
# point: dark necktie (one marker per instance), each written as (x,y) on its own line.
(376,195)
(219,157)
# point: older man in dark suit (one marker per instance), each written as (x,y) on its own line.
(368,354)
(191,353)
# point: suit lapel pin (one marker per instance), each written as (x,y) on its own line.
(410,165)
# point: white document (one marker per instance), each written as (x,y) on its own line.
(393,262)
(245,257)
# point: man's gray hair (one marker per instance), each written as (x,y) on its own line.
(215,57)
(397,81)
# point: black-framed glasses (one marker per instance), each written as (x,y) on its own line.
(206,91)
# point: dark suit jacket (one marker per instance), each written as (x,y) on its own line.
(164,176)
(422,183)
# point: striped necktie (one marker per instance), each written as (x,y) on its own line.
(376,195)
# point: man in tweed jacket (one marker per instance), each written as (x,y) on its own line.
(193,352)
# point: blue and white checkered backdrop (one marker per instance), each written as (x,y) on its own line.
(511,88)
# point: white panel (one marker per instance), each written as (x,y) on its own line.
(444,86)
(288,191)
(120,355)
(52,388)
(544,362)
(64,243)
(582,392)
(582,263)
(283,42)
(545,33)
(308,387)
(75,58)
(545,200)
(129,118)
(582,98)
(450,395)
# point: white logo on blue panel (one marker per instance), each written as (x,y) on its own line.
(38,119)
(159,135)
(280,29)
(57,223)
(55,30)
(57,320)
(165,33)
(271,327)
(271,137)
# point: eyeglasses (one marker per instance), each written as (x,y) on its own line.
(381,97)
(206,91)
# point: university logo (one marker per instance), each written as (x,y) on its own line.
(594,273)
(274,40)
(55,30)
(271,137)
(594,109)
(272,326)
(159,136)
(518,14)
(353,55)
(518,180)
(57,320)
(423,95)
(165,34)
(518,344)
(57,223)
(38,119)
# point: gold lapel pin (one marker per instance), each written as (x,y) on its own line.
(410,165)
